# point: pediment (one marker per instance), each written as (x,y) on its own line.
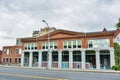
(62,34)
(59,35)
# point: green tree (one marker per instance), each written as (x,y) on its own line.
(117,53)
(118,24)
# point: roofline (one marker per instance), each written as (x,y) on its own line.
(32,38)
(100,31)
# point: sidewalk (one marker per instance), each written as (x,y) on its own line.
(73,70)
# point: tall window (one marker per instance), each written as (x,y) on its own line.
(55,45)
(65,44)
(65,56)
(15,60)
(43,45)
(10,60)
(55,56)
(17,50)
(10,50)
(44,56)
(25,46)
(72,44)
(30,46)
(35,46)
(52,45)
(19,60)
(6,60)
(90,44)
(5,51)
(76,56)
(69,44)
(3,59)
(79,44)
(46,45)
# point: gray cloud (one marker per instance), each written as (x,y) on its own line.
(18,18)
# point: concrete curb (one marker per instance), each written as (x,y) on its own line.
(72,70)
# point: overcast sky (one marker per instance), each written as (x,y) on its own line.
(18,18)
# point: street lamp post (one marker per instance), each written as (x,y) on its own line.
(48,44)
(36,36)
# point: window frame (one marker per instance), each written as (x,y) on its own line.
(99,43)
(72,44)
(5,51)
(10,50)
(17,50)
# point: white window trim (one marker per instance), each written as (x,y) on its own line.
(99,43)
(76,41)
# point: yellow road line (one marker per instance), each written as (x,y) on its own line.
(20,75)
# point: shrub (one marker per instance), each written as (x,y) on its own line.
(115,67)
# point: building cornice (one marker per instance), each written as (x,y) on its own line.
(71,33)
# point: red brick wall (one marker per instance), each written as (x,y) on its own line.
(0,56)
(12,55)
(60,37)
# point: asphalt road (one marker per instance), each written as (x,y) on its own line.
(32,74)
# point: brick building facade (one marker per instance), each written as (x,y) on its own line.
(69,49)
(11,55)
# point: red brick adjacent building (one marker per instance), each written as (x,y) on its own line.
(11,55)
